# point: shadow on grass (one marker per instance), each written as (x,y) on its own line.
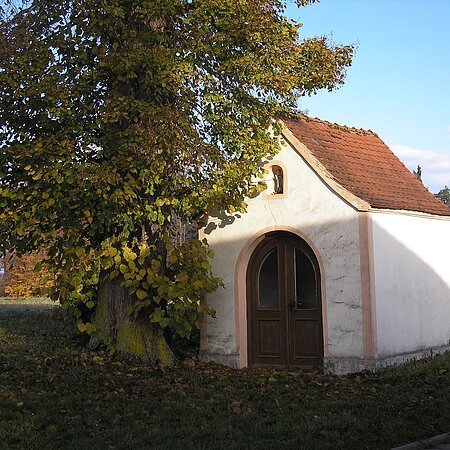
(56,394)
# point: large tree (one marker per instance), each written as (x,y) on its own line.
(119,115)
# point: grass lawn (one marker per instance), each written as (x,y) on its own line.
(56,394)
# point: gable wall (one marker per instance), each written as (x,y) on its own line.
(412,282)
(314,212)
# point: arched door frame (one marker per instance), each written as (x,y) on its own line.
(240,286)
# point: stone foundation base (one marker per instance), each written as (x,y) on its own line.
(343,365)
(230,360)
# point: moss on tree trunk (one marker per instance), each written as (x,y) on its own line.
(135,336)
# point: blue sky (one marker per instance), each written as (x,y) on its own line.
(399,82)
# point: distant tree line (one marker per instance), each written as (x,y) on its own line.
(444,195)
(24,276)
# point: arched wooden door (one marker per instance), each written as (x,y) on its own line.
(284,308)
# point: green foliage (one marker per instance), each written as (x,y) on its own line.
(118,115)
(444,195)
(177,291)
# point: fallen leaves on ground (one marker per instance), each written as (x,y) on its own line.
(54,393)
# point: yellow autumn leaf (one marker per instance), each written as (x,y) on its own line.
(141,294)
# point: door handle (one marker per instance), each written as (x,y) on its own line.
(291,304)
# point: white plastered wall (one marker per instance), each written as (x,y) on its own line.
(412,282)
(310,209)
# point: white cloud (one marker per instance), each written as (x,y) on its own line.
(435,165)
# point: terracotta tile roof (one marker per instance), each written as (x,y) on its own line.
(364,165)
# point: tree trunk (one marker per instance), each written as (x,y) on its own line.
(138,337)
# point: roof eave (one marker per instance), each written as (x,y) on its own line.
(408,212)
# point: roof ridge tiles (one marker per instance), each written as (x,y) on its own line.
(336,126)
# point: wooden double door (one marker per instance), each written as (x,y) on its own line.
(284,307)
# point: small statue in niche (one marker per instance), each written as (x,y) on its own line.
(277,180)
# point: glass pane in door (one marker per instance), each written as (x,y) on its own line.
(268,296)
(305,281)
